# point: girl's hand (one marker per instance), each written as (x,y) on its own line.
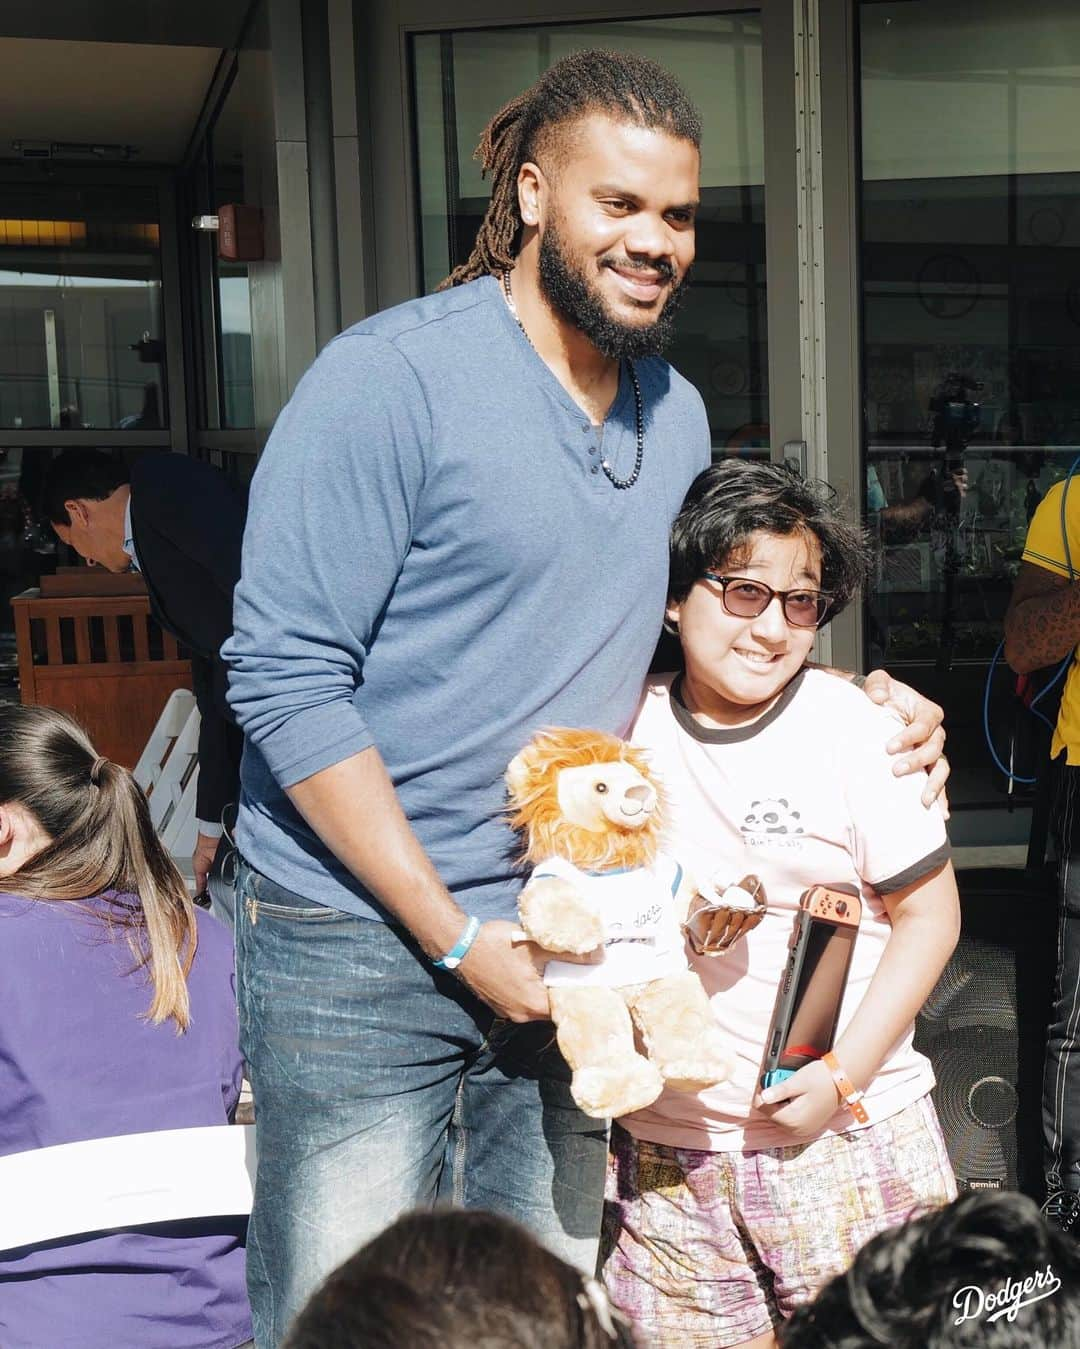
(803,1104)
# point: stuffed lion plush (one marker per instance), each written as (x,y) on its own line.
(589,813)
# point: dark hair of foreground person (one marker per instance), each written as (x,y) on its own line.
(457,1279)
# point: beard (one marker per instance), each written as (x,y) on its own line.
(575,298)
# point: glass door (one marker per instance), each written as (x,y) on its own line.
(86,356)
(450,72)
(81,323)
(887,283)
(970,198)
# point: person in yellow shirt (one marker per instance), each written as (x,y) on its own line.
(1042,628)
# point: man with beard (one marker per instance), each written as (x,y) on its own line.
(457,534)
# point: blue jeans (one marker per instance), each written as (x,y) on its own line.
(380,1084)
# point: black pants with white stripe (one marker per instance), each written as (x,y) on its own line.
(1061,1078)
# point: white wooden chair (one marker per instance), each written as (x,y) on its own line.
(158,748)
(168,772)
(127,1181)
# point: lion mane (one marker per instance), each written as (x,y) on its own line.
(532,780)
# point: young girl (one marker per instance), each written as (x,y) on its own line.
(728,1209)
(117,1016)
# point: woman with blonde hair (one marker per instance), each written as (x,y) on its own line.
(117,1016)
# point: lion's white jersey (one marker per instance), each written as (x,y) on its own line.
(642,939)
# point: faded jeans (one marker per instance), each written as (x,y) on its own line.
(380,1084)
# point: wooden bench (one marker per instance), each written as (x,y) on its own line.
(102,658)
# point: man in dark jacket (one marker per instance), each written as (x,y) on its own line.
(179,522)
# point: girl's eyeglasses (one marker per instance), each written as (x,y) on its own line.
(744,598)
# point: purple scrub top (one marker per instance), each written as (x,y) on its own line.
(79,1060)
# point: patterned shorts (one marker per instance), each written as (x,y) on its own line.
(704,1250)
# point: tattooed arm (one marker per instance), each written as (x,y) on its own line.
(1042,624)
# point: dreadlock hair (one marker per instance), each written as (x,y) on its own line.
(627,88)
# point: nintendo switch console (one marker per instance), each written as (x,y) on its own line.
(811,990)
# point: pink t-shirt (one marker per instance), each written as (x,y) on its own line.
(803,796)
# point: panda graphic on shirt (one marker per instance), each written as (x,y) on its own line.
(770,822)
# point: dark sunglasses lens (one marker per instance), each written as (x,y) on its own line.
(744,599)
(805,610)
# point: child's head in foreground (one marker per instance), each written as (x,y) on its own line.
(458,1279)
(761,558)
(985,1272)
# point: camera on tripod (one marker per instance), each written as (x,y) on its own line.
(955,415)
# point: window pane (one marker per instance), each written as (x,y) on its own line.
(462,78)
(971,324)
(234,296)
(81,340)
(234,301)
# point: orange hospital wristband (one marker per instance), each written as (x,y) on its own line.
(844,1085)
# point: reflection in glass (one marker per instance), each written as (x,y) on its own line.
(234,300)
(970,260)
(27,543)
(80,309)
(462,78)
(227,139)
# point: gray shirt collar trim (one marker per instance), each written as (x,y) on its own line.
(709,735)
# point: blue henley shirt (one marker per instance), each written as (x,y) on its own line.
(435,564)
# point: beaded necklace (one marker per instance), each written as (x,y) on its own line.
(623,484)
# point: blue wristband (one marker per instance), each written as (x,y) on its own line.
(460,950)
